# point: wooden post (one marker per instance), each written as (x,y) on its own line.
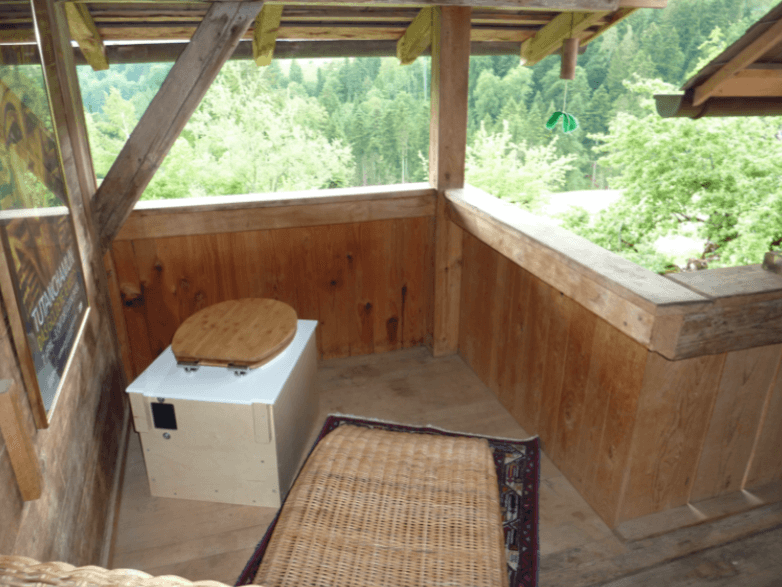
(447,150)
(70,126)
(20,448)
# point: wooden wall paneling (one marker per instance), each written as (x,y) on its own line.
(675,405)
(336,286)
(160,307)
(303,244)
(616,375)
(556,359)
(301,269)
(515,349)
(563,447)
(465,342)
(18,443)
(476,336)
(288,287)
(766,462)
(133,301)
(120,326)
(746,379)
(270,266)
(327,315)
(501,304)
(428,272)
(415,259)
(367,283)
(388,290)
(526,407)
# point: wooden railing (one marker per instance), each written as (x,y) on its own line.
(576,343)
(686,315)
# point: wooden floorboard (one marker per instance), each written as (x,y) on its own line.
(199,540)
(752,562)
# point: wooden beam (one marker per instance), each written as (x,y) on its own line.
(553,5)
(19,336)
(228,214)
(450,72)
(20,448)
(447,149)
(746,57)
(86,34)
(178,97)
(550,37)
(417,37)
(267,26)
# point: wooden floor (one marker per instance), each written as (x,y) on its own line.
(198,540)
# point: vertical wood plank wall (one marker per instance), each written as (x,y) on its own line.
(635,433)
(78,453)
(369,284)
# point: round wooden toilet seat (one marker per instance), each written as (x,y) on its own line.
(238,333)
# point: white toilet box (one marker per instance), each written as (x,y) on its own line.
(237,439)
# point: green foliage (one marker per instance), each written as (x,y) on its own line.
(248,138)
(719,176)
(514,171)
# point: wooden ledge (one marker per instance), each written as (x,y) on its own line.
(221,214)
(678,317)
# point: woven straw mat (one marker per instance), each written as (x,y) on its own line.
(20,571)
(373,507)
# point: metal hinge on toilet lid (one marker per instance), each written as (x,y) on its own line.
(193,366)
(238,370)
(188,366)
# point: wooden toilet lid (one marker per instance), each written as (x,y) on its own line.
(243,333)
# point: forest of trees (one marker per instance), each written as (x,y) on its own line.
(350,122)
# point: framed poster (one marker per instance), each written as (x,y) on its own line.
(42,276)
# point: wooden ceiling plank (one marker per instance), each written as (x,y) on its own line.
(85,33)
(756,49)
(267,26)
(750,83)
(612,20)
(180,94)
(417,37)
(550,37)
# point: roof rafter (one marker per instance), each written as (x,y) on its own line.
(266,29)
(417,37)
(85,33)
(550,37)
(752,52)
